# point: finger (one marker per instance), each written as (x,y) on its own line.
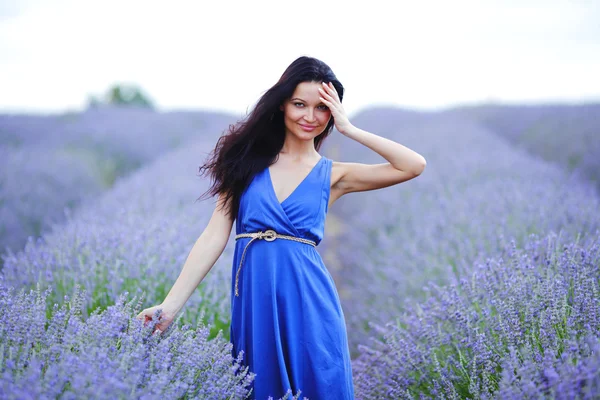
(327,102)
(330,90)
(330,86)
(321,90)
(326,87)
(329,105)
(324,93)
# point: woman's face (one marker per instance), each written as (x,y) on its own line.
(304,110)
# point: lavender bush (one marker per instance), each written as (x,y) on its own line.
(36,184)
(524,325)
(134,238)
(476,193)
(563,134)
(129,133)
(49,163)
(108,355)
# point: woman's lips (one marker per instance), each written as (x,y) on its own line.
(308,128)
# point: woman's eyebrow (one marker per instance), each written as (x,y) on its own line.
(298,98)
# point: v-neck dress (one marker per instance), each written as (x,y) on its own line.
(288,319)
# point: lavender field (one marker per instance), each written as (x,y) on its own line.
(477,280)
(480,279)
(50,164)
(564,134)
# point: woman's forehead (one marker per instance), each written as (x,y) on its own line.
(308,91)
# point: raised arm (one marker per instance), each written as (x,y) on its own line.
(403,163)
(205,253)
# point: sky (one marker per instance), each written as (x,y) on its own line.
(223,55)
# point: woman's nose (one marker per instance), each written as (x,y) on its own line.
(309,116)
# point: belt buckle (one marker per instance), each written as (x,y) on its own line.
(270,235)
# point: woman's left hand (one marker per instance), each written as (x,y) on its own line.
(330,97)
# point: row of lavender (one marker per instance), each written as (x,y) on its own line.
(566,134)
(439,301)
(130,242)
(524,325)
(108,355)
(134,238)
(49,164)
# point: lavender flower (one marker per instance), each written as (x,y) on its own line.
(524,325)
(110,354)
(134,238)
(476,194)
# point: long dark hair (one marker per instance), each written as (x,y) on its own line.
(254,143)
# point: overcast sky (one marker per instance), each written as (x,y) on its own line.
(223,55)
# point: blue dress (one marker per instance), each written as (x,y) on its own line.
(288,318)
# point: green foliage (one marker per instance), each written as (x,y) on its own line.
(122,95)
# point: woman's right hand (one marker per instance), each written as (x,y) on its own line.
(165,318)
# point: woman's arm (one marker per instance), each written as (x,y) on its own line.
(404,164)
(205,253)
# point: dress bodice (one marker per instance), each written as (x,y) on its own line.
(301,214)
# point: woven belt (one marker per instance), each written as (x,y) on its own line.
(269,236)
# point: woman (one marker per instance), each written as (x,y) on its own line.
(269,177)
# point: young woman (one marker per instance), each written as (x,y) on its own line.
(269,177)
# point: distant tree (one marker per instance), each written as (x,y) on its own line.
(122,95)
(93,102)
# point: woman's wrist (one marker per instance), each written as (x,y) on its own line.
(170,307)
(347,129)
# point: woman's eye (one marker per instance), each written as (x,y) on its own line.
(322,107)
